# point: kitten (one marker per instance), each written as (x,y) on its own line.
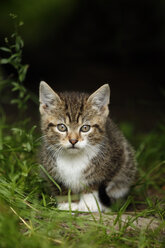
(82,148)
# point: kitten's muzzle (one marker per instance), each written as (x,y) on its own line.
(73,141)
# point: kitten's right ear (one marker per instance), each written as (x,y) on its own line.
(47,97)
(100,99)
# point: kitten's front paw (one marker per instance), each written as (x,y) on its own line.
(65,206)
(88,203)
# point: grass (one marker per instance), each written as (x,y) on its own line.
(28,215)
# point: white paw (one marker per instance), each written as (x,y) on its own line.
(67,206)
(88,203)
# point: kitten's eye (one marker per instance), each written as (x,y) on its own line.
(62,127)
(85,128)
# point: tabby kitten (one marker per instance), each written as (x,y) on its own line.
(82,148)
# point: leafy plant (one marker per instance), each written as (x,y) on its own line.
(13,49)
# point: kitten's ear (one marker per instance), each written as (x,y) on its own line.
(100,99)
(47,97)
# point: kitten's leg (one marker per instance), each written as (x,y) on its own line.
(88,202)
(91,202)
(65,206)
(116,190)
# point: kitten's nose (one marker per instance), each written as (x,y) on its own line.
(73,141)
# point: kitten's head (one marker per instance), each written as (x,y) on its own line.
(73,121)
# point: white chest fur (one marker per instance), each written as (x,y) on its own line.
(70,168)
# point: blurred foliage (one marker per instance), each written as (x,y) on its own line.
(39,16)
(14,58)
(124,21)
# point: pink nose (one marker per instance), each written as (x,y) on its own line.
(73,141)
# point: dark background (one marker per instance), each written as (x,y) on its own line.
(80,45)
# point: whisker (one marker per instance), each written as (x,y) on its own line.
(98,153)
(41,138)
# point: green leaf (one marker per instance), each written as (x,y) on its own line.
(27,147)
(19,43)
(15,101)
(22,72)
(5,49)
(5,61)
(26,98)
(15,55)
(16,130)
(16,86)
(6,40)
(21,23)
(33,129)
(13,16)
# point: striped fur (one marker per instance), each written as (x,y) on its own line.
(100,163)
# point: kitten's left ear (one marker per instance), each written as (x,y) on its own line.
(100,99)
